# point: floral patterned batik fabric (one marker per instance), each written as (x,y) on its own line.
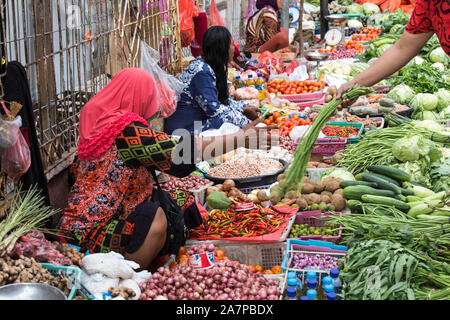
(199,102)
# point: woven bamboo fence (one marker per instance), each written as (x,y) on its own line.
(71,49)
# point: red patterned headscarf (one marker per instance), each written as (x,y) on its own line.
(130,96)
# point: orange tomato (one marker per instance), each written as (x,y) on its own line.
(267,122)
(267,272)
(183,259)
(276,269)
(173,265)
(182,251)
(219,254)
(276,115)
(259,268)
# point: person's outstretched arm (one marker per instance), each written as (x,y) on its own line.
(392,60)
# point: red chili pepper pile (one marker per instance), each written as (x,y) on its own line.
(337,131)
(232,223)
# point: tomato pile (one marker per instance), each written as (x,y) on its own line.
(354,45)
(332,49)
(337,131)
(286,124)
(370,30)
(364,37)
(281,86)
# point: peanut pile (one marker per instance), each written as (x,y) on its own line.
(246,167)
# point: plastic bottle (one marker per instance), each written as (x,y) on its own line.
(292,283)
(261,86)
(291,275)
(250,81)
(238,83)
(331,296)
(304,298)
(311,294)
(310,275)
(325,281)
(328,289)
(337,283)
(291,294)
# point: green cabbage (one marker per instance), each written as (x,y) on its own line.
(443,96)
(370,9)
(407,149)
(430,125)
(358,67)
(414,168)
(413,147)
(425,115)
(401,94)
(445,114)
(355,8)
(438,65)
(426,101)
(439,55)
(338,173)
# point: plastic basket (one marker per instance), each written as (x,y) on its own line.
(311,245)
(308,104)
(200,194)
(250,189)
(315,174)
(267,255)
(305,97)
(307,217)
(73,274)
(327,146)
(351,140)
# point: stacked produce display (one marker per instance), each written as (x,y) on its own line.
(352,189)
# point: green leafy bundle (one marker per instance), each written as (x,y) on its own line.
(421,78)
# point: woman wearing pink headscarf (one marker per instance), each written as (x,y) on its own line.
(263,32)
(109,206)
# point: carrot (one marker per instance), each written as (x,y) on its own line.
(375,98)
(286,204)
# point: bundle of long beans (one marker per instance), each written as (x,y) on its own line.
(376,148)
(297,170)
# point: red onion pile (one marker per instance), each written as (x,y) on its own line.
(191,182)
(203,248)
(316,261)
(287,143)
(343,54)
(226,280)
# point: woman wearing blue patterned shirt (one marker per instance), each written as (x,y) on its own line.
(205,97)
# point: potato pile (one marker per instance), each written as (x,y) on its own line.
(228,188)
(325,195)
(25,269)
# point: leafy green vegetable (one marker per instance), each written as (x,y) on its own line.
(401,93)
(443,96)
(355,8)
(427,101)
(407,149)
(440,175)
(422,78)
(439,55)
(418,170)
(370,9)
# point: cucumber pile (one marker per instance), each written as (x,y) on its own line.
(384,185)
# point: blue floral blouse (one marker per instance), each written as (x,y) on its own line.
(199,102)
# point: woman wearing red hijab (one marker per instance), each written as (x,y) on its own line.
(110,206)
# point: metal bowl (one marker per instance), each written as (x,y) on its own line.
(316,56)
(336,18)
(30,291)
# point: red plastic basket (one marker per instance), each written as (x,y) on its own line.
(305,97)
(303,105)
(328,146)
(306,217)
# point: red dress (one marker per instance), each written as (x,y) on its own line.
(432,15)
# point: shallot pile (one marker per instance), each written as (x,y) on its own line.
(191,182)
(343,54)
(316,261)
(226,280)
(288,144)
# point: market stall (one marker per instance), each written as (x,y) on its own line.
(349,189)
